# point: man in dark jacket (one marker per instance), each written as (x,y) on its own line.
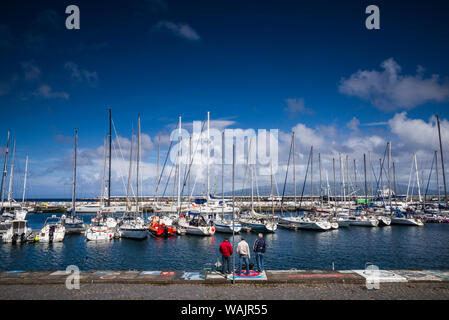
(259,248)
(226,252)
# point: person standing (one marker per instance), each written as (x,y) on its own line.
(259,249)
(226,253)
(244,255)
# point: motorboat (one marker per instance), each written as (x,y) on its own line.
(198,225)
(384,221)
(52,231)
(18,232)
(162,227)
(406,220)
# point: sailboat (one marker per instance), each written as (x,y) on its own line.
(18,230)
(73,223)
(222,224)
(193,223)
(254,221)
(133,225)
(12,209)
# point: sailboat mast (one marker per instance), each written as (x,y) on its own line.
(442,160)
(5,169)
(233,209)
(104,173)
(272,191)
(110,157)
(366,184)
(25,179)
(208,155)
(347,179)
(319,165)
(294,167)
(138,163)
(342,181)
(74,175)
(335,186)
(11,174)
(389,175)
(179,166)
(438,182)
(190,164)
(356,188)
(222,173)
(130,170)
(417,178)
(157,166)
(311,175)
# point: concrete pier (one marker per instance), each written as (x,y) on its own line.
(272,284)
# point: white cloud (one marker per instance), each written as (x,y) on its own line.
(179,29)
(388,90)
(45,91)
(353,124)
(31,71)
(81,75)
(296,105)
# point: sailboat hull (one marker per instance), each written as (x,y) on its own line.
(407,222)
(227,228)
(133,233)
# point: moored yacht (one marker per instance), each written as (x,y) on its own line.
(198,225)
(52,231)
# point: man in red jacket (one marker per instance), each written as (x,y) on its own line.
(226,252)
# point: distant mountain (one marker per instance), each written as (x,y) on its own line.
(289,190)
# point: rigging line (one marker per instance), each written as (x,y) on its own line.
(119,167)
(286,174)
(305,178)
(121,153)
(246,166)
(430,175)
(168,180)
(187,174)
(163,168)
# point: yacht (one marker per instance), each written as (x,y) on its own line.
(364,221)
(198,225)
(18,232)
(406,220)
(133,228)
(52,231)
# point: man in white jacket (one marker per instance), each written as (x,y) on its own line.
(244,255)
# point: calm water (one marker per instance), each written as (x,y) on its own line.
(395,247)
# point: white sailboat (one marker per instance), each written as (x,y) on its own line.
(405,220)
(254,221)
(222,224)
(133,225)
(102,228)
(73,223)
(364,221)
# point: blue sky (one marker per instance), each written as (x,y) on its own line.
(255,64)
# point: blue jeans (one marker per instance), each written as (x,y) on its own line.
(226,261)
(245,260)
(259,260)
